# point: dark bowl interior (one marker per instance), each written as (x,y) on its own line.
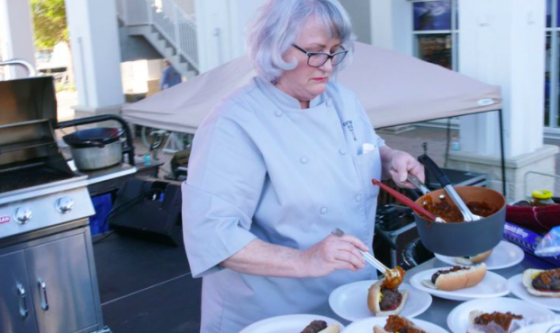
(462,238)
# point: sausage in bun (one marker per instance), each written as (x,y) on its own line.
(383,301)
(456,277)
(543,283)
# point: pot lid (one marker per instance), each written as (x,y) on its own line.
(93,137)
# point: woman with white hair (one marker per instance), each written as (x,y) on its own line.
(276,167)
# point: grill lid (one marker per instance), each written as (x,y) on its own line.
(24,100)
(29,154)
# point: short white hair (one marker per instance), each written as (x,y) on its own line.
(278,24)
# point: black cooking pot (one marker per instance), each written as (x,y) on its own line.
(463,238)
(95,148)
(93,137)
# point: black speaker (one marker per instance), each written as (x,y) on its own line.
(150,209)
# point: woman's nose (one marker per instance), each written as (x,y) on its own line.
(328,66)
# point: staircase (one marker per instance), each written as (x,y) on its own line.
(167,27)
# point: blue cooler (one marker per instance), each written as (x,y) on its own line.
(102,205)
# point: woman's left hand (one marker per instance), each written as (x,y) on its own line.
(398,164)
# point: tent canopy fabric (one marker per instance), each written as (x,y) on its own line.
(395,89)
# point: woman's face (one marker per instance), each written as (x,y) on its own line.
(305,82)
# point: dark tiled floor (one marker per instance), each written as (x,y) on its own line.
(146,287)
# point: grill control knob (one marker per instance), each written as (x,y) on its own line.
(64,205)
(23,215)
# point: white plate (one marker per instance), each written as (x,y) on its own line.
(493,285)
(286,324)
(504,255)
(517,288)
(552,327)
(458,318)
(366,325)
(350,301)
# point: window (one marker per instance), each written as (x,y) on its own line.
(435,32)
(552,64)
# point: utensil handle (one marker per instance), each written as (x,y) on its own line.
(94,143)
(434,168)
(374,262)
(418,183)
(467,215)
(405,200)
(367,257)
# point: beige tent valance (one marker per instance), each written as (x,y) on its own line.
(394,88)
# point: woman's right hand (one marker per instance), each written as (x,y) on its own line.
(331,254)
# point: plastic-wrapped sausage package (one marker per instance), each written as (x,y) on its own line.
(549,246)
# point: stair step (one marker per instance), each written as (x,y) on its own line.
(164,47)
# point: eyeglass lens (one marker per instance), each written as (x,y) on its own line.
(317,60)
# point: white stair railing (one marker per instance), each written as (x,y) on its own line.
(176,27)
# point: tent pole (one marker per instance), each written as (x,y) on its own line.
(503,153)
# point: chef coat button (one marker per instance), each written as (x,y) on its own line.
(342,151)
(324,210)
(304,160)
(329,102)
(358,198)
(278,113)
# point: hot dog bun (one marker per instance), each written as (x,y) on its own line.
(379,329)
(408,324)
(473,259)
(464,278)
(374,295)
(334,328)
(528,276)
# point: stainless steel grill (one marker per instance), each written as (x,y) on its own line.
(47,281)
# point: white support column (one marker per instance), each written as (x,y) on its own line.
(391,25)
(16,35)
(94,38)
(502,42)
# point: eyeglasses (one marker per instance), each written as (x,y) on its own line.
(318,59)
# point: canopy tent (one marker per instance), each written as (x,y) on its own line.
(394,88)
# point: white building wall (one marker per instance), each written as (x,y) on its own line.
(221,29)
(16,35)
(382,23)
(360,14)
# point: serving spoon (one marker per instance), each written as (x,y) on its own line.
(408,202)
(468,216)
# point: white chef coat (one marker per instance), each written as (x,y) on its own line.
(262,167)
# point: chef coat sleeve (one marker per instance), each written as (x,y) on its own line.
(224,185)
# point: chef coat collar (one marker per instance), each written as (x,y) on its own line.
(282,99)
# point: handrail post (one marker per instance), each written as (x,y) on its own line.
(177,26)
(150,13)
